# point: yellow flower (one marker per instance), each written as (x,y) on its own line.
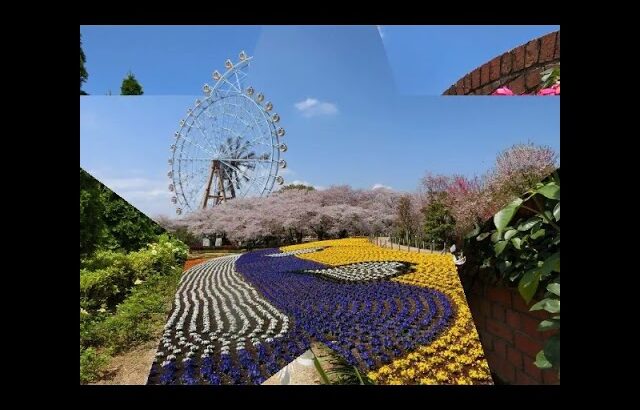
(457,350)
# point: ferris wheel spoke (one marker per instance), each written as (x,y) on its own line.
(238,90)
(203,135)
(196,144)
(243,160)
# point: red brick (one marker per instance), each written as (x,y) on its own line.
(485,308)
(460,87)
(531,53)
(494,69)
(505,371)
(517,302)
(497,312)
(514,357)
(493,361)
(527,345)
(523,378)
(487,342)
(487,90)
(467,88)
(518,58)
(550,376)
(513,319)
(556,53)
(500,329)
(479,320)
(499,294)
(532,79)
(484,74)
(531,369)
(500,348)
(530,326)
(475,79)
(538,314)
(547,47)
(517,85)
(505,63)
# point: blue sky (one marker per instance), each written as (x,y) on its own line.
(429,59)
(125,141)
(176,59)
(346,121)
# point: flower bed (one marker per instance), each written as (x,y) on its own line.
(454,357)
(363,272)
(238,320)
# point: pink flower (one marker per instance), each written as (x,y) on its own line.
(502,91)
(553,90)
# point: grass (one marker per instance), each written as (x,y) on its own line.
(138,319)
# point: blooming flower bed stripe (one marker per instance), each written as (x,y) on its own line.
(456,355)
(399,317)
(363,272)
(218,319)
(369,324)
(292,253)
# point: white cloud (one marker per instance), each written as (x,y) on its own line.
(286,171)
(378,186)
(150,196)
(311,107)
(380,31)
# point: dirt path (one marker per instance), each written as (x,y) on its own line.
(131,367)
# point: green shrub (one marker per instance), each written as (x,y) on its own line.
(92,364)
(104,288)
(138,318)
(107,277)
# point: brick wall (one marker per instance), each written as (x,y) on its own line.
(509,335)
(518,69)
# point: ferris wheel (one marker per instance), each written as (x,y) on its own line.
(228,145)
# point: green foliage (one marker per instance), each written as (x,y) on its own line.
(109,222)
(438,223)
(107,277)
(341,372)
(296,186)
(91,210)
(91,364)
(136,320)
(141,315)
(130,86)
(550,77)
(128,228)
(183,234)
(524,249)
(83,72)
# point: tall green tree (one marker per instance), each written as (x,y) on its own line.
(129,229)
(438,223)
(92,227)
(130,86)
(83,71)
